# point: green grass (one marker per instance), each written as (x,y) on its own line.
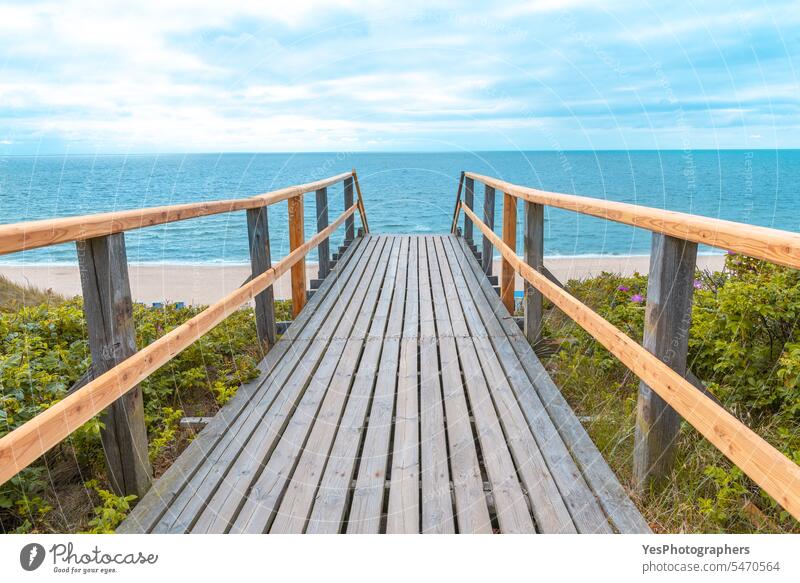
(744,352)
(14,296)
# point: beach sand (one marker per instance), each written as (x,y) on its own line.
(204,284)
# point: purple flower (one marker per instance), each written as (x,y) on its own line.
(637,298)
(698,284)
(623,288)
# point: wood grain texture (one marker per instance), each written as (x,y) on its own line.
(34,234)
(261,261)
(487,255)
(765,465)
(108,309)
(349,225)
(343,435)
(324,249)
(668,319)
(193,464)
(469,200)
(296,239)
(361,208)
(507,273)
(534,256)
(457,210)
(773,245)
(25,444)
(590,480)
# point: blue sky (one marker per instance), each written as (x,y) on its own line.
(305,75)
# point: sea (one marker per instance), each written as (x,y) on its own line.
(403,193)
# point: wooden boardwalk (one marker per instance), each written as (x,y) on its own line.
(403,398)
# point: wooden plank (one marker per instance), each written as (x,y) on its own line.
(488,217)
(349,225)
(404,505)
(246,458)
(184,511)
(147,513)
(330,505)
(108,308)
(507,273)
(510,502)
(33,234)
(437,500)
(549,509)
(261,261)
(469,200)
(299,497)
(547,401)
(767,466)
(668,318)
(324,251)
(296,239)
(323,399)
(368,495)
(573,489)
(472,512)
(772,245)
(534,256)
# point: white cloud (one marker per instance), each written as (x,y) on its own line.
(200,75)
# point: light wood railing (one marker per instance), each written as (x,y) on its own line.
(660,363)
(116,365)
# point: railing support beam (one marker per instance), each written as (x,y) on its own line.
(534,256)
(261,261)
(668,317)
(350,223)
(469,200)
(322,222)
(108,309)
(296,239)
(507,273)
(488,219)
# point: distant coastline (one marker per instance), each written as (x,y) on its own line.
(203,283)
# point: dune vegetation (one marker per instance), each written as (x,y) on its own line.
(744,345)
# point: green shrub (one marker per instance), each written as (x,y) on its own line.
(744,344)
(44,351)
(111,513)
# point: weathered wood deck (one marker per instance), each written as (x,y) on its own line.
(403,398)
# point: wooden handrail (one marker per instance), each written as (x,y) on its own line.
(761,242)
(42,233)
(26,443)
(361,210)
(765,465)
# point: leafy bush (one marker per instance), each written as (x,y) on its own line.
(44,351)
(744,344)
(113,511)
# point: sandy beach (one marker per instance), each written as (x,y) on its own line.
(204,284)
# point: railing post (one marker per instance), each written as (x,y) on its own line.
(349,223)
(668,318)
(469,201)
(507,273)
(296,239)
(261,261)
(488,218)
(322,222)
(534,256)
(108,309)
